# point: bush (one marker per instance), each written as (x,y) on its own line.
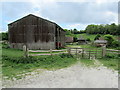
(31,60)
(74,39)
(19,60)
(88,39)
(66,55)
(112,56)
(97,37)
(109,56)
(109,39)
(4,35)
(6,46)
(118,48)
(115,44)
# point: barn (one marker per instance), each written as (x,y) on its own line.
(100,43)
(36,33)
(69,40)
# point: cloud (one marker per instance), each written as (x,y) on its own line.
(73,13)
(74,26)
(78,26)
(80,12)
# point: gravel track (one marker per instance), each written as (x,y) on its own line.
(76,76)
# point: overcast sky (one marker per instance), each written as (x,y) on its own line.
(68,14)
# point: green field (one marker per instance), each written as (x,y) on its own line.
(83,46)
(111,63)
(91,36)
(14,66)
(12,52)
(86,36)
(13,62)
(87,62)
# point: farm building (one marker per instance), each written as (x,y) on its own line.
(69,40)
(81,40)
(35,33)
(100,43)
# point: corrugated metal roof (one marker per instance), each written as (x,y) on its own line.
(100,41)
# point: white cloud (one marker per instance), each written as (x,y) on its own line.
(75,13)
(74,26)
(114,17)
(78,26)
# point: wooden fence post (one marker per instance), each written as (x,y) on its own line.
(82,52)
(89,54)
(69,50)
(96,54)
(76,52)
(51,51)
(25,50)
(103,51)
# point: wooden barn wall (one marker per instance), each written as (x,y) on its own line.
(37,33)
(60,36)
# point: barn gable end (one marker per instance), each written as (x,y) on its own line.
(35,32)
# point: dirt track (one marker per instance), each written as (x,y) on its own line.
(76,76)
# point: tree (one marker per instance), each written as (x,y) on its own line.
(68,32)
(88,39)
(118,30)
(103,29)
(97,37)
(106,27)
(75,31)
(113,29)
(109,39)
(75,38)
(4,35)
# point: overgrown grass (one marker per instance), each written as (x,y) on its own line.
(13,62)
(83,46)
(111,63)
(12,52)
(13,66)
(87,62)
(89,46)
(91,36)
(73,46)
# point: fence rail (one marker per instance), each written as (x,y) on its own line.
(86,52)
(46,52)
(81,52)
(113,51)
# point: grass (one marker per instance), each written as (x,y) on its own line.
(84,46)
(91,36)
(12,52)
(110,63)
(89,46)
(87,62)
(74,46)
(13,66)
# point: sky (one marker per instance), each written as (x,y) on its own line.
(68,14)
